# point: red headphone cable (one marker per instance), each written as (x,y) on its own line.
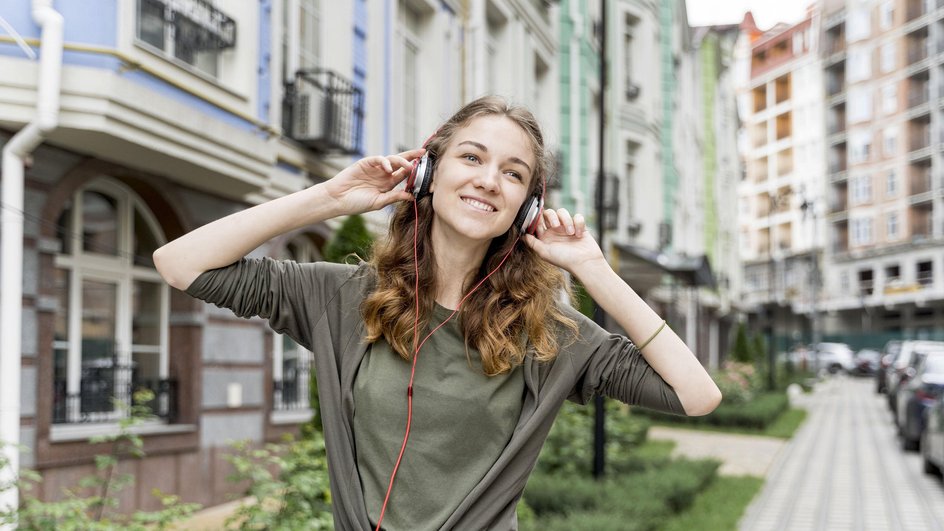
(416,349)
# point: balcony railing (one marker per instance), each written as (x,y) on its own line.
(101,387)
(289,395)
(324,111)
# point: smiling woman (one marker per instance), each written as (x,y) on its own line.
(455,327)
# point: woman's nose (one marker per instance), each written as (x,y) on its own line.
(489,179)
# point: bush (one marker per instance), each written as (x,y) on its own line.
(755,414)
(296,496)
(91,504)
(352,238)
(569,446)
(742,349)
(638,501)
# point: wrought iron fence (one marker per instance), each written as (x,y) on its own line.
(101,387)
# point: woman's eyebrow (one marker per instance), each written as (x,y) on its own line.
(482,147)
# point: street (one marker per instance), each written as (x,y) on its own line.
(844,469)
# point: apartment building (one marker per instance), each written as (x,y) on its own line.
(782,192)
(174,114)
(884,85)
(670,143)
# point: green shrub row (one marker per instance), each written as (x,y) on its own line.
(756,414)
(629,502)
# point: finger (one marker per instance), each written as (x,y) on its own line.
(402,162)
(385,164)
(580,225)
(413,153)
(550,217)
(535,244)
(566,221)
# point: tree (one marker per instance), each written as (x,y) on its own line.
(352,238)
(742,349)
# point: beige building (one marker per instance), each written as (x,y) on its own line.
(884,85)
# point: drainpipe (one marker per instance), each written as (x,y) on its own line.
(11,254)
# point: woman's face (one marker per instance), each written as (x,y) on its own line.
(481,180)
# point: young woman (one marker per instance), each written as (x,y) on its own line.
(442,362)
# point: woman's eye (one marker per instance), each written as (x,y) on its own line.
(470,157)
(516,175)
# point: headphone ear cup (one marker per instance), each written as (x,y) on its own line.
(421,177)
(526,222)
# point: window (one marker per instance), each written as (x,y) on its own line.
(110,335)
(866,281)
(925,273)
(890,140)
(890,98)
(891,183)
(861,189)
(860,146)
(861,229)
(891,226)
(632,85)
(292,363)
(860,64)
(193,32)
(301,36)
(888,52)
(858,26)
(409,25)
(886,14)
(860,104)
(892,274)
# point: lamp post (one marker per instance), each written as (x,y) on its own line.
(599,404)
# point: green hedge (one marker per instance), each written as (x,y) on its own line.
(626,502)
(755,414)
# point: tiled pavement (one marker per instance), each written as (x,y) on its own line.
(845,470)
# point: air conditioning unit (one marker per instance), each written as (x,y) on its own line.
(317,122)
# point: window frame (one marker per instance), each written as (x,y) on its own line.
(118,269)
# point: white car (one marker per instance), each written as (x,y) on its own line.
(833,357)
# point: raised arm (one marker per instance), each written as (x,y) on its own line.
(566,243)
(366,185)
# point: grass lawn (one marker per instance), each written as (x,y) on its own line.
(718,507)
(784,427)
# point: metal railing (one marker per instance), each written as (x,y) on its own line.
(101,388)
(324,111)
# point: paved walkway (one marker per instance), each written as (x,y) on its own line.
(740,455)
(844,470)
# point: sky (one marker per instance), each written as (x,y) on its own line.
(766,13)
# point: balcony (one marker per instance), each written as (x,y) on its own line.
(915,9)
(920,181)
(324,112)
(101,386)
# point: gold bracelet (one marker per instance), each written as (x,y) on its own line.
(653,336)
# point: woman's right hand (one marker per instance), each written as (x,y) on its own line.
(369,183)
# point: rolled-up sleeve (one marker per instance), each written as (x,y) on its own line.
(288,294)
(611,365)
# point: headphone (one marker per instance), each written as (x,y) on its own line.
(421,178)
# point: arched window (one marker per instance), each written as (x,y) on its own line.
(292,363)
(111,324)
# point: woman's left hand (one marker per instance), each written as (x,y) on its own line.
(564,241)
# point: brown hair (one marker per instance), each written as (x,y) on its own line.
(518,301)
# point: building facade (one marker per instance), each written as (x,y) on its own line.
(782,194)
(884,85)
(174,114)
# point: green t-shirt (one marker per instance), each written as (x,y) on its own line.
(462,420)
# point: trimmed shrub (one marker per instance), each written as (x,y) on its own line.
(352,238)
(755,414)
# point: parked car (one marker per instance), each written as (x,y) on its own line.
(923,385)
(889,353)
(903,361)
(865,362)
(932,441)
(833,357)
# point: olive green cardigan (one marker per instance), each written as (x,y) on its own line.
(318,305)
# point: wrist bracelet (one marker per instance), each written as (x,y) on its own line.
(653,336)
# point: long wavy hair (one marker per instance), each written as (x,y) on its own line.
(516,306)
